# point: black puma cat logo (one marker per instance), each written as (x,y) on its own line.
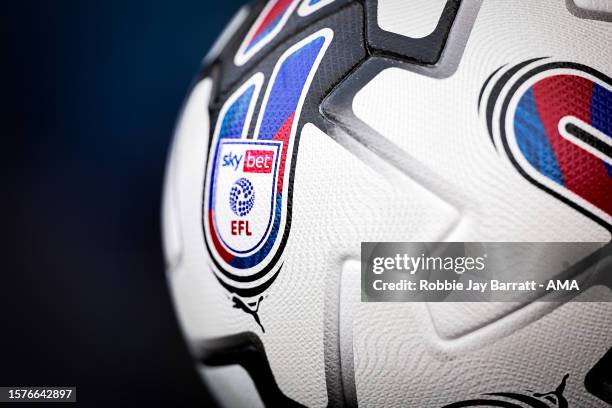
(239,304)
(553,399)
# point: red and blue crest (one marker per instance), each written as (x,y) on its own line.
(248,183)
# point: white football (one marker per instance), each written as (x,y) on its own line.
(316,125)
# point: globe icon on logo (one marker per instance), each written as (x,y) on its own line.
(242,197)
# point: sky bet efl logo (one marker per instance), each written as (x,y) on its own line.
(249,174)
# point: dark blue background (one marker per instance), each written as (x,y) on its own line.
(91,94)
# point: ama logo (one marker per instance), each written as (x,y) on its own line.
(246,211)
(553,120)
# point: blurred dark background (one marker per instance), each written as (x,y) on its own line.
(94,88)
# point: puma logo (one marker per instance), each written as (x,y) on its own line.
(556,396)
(553,399)
(239,304)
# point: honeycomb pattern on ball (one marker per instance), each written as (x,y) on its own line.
(242,197)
